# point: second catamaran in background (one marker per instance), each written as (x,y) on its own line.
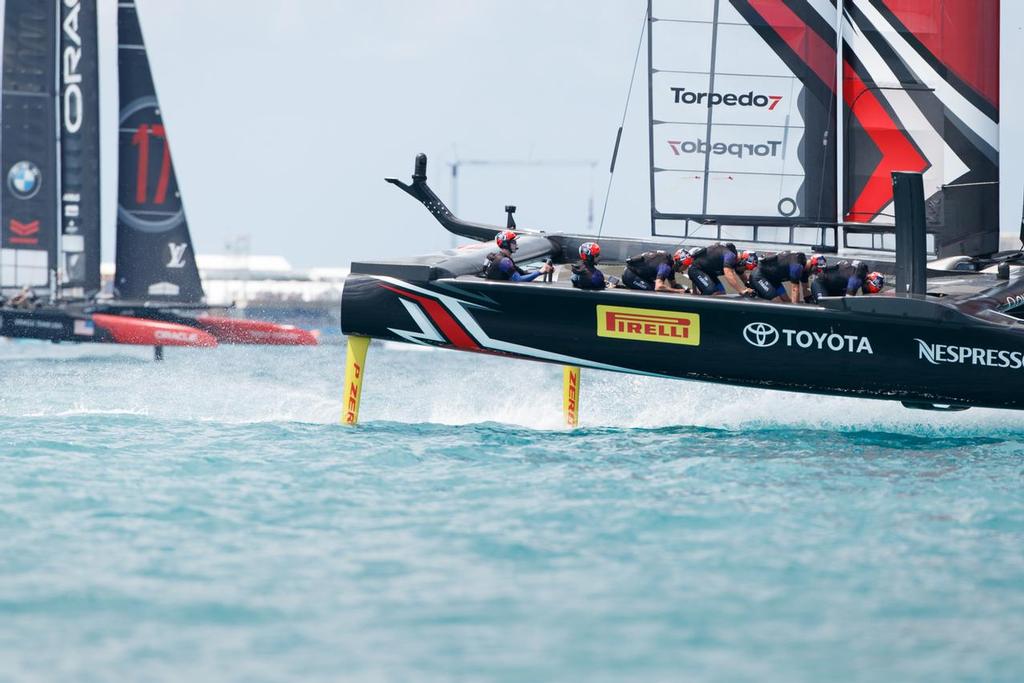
(51,228)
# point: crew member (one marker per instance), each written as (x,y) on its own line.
(746,264)
(706,264)
(654,271)
(787,266)
(846,279)
(585,274)
(500,266)
(26,299)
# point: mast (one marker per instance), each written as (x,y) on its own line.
(155,258)
(840,124)
(79,157)
(28,146)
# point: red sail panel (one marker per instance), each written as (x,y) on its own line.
(956,32)
(921,94)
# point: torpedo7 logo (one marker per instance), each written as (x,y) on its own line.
(713,99)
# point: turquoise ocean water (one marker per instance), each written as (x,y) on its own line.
(206,519)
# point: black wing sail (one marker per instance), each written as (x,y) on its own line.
(155,259)
(28,224)
(80,148)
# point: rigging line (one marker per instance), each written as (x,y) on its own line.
(625,111)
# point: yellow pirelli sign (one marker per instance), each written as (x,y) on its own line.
(644,324)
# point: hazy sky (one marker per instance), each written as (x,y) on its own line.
(285,116)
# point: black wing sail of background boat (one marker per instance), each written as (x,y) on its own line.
(155,259)
(29,147)
(79,149)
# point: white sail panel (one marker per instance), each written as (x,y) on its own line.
(729,120)
(736,100)
(682,46)
(684,10)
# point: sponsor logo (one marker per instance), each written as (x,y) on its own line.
(644,324)
(352,401)
(177,259)
(1015,300)
(938,354)
(714,99)
(37,324)
(177,336)
(24,179)
(762,335)
(85,328)
(71,77)
(572,392)
(23,233)
(769,148)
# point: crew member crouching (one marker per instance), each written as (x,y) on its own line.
(585,274)
(706,264)
(500,266)
(654,271)
(787,266)
(846,279)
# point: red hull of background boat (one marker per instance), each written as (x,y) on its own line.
(143,332)
(237,331)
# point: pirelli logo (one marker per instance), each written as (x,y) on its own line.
(644,324)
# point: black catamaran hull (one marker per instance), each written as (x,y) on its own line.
(921,352)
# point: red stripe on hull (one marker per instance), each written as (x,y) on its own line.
(127,330)
(443,319)
(238,331)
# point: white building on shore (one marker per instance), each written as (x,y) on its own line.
(268,284)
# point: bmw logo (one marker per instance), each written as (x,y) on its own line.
(24,179)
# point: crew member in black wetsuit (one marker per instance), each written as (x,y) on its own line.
(654,271)
(786,266)
(846,279)
(500,266)
(704,265)
(585,274)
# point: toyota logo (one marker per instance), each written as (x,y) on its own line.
(761,335)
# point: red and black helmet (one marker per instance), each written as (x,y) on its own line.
(682,258)
(590,251)
(817,263)
(874,283)
(505,239)
(748,260)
